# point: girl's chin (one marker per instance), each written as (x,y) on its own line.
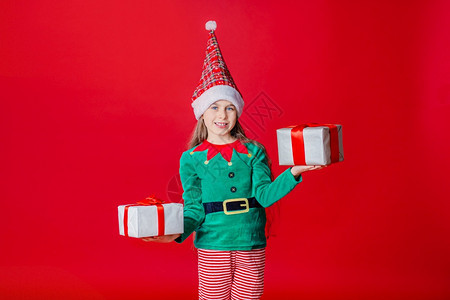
(220,133)
(218,130)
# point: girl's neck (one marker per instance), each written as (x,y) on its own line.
(221,140)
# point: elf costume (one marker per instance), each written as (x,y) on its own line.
(209,179)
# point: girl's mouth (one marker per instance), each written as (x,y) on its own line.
(221,124)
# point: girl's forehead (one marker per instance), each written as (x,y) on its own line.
(223,102)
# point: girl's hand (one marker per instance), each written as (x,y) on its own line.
(297,170)
(161,239)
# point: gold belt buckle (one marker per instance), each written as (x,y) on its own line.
(233,212)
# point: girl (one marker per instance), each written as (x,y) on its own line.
(227,184)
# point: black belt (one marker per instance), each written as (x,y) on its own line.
(231,206)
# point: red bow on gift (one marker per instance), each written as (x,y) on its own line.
(150,200)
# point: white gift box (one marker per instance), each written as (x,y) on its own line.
(143,219)
(317,148)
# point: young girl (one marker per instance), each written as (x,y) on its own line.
(227,184)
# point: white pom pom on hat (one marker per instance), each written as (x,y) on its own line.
(211,25)
(216,82)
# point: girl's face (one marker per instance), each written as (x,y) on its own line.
(220,119)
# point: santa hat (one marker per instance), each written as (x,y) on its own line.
(216,82)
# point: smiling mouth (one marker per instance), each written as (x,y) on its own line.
(221,124)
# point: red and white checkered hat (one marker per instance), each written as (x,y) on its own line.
(216,82)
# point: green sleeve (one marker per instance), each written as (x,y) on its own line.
(194,213)
(266,191)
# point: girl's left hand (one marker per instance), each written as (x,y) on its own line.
(298,170)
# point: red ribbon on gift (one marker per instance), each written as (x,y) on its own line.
(151,200)
(298,144)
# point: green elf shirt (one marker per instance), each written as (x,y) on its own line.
(214,173)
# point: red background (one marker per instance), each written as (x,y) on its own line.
(95,112)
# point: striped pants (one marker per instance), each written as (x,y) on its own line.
(235,275)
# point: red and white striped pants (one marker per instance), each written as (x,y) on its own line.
(235,275)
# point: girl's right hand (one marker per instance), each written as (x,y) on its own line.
(161,239)
(298,170)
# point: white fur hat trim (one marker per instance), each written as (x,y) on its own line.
(215,93)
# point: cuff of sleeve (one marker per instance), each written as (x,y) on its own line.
(182,237)
(293,179)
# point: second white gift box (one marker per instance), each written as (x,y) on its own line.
(310,144)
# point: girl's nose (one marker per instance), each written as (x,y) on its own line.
(222,113)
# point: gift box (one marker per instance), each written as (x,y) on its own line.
(150,217)
(310,144)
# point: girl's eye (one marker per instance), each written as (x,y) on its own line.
(214,107)
(230,108)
